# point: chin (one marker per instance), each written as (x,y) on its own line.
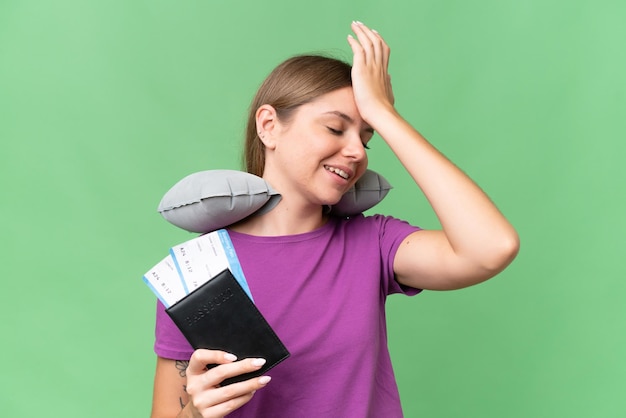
(331,200)
(330,195)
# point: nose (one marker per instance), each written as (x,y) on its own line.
(354,148)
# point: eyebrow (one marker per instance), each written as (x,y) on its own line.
(348,119)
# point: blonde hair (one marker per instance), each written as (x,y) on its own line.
(291,84)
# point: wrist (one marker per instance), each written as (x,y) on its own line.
(189,411)
(382,117)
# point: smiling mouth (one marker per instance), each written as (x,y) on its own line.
(337,171)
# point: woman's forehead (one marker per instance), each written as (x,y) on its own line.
(338,103)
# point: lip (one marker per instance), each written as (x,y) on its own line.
(343,168)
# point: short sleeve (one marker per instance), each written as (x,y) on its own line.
(169,341)
(392,232)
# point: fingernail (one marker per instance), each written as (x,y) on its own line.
(374,30)
(264,380)
(359,23)
(230,357)
(258,362)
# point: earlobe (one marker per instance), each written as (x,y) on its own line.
(266,124)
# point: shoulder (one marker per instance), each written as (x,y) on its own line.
(381,231)
(376,222)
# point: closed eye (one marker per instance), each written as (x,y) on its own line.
(335,131)
(339,132)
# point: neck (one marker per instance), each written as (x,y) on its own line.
(286,218)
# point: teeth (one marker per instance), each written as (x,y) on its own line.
(337,171)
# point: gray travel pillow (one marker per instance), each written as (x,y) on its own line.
(209,200)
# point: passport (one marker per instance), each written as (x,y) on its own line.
(219,315)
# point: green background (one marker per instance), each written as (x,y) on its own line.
(104,105)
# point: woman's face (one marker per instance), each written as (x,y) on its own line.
(320,152)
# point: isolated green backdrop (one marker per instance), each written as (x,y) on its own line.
(105,104)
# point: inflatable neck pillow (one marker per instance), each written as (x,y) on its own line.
(209,200)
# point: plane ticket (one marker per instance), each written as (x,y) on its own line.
(164,281)
(191,264)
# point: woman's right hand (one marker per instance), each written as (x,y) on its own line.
(190,390)
(207,397)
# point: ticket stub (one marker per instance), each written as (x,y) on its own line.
(202,258)
(233,261)
(164,281)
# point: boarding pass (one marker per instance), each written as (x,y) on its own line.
(191,264)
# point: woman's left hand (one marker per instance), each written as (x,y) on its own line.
(370,79)
(476,241)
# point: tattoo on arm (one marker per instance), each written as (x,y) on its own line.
(180,399)
(182,367)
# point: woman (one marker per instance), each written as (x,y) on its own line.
(321,281)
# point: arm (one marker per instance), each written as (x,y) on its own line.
(189,390)
(170,383)
(476,241)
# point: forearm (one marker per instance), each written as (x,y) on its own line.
(473,225)
(189,412)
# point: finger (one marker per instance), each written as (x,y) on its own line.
(201,357)
(364,40)
(357,50)
(386,51)
(381,48)
(225,408)
(371,41)
(227,398)
(217,375)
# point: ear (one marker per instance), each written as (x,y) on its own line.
(266,125)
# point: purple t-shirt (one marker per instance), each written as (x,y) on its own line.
(323,292)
